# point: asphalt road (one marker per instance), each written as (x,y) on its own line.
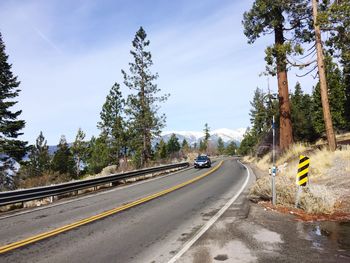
(151,232)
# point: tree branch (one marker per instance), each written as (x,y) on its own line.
(303,65)
(300,76)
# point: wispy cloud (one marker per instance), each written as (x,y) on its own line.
(46,39)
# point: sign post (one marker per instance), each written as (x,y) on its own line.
(273,162)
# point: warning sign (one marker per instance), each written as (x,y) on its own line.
(303,170)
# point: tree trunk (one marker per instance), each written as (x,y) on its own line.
(78,167)
(286,135)
(323,82)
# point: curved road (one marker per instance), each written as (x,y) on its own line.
(150,232)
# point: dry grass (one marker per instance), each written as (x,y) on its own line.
(329,177)
(339,137)
(318,199)
(45,179)
(344,136)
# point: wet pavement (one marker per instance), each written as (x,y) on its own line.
(248,232)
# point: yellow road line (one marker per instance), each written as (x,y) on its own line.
(81,222)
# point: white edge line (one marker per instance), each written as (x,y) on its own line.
(92,194)
(188,245)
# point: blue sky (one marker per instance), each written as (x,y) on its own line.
(67,55)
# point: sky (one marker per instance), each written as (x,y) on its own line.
(68,54)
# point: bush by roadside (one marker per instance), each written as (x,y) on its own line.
(329,174)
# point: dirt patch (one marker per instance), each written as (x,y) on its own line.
(301,215)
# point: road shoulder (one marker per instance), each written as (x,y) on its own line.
(247,232)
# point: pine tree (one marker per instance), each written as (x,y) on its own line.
(336,91)
(201,146)
(247,144)
(63,161)
(303,129)
(317,114)
(185,146)
(280,18)
(337,99)
(346,76)
(258,113)
(11,148)
(334,18)
(173,145)
(322,80)
(206,137)
(231,148)
(98,155)
(113,125)
(142,106)
(39,158)
(80,151)
(221,146)
(163,153)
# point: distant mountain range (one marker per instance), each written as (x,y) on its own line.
(193,137)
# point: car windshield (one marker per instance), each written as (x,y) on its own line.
(202,158)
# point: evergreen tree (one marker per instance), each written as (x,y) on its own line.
(336,91)
(39,158)
(247,144)
(258,113)
(112,124)
(332,144)
(334,18)
(80,151)
(202,146)
(231,148)
(346,76)
(337,99)
(11,148)
(206,137)
(142,106)
(303,129)
(185,146)
(317,114)
(281,18)
(221,146)
(98,155)
(63,161)
(173,145)
(162,150)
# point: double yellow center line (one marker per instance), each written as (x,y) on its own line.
(68,227)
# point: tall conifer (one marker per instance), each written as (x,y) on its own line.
(113,125)
(39,158)
(11,148)
(142,104)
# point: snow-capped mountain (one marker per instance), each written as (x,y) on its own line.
(192,137)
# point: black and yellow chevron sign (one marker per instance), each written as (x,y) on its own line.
(303,170)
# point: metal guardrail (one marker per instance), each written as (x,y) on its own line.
(24,195)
